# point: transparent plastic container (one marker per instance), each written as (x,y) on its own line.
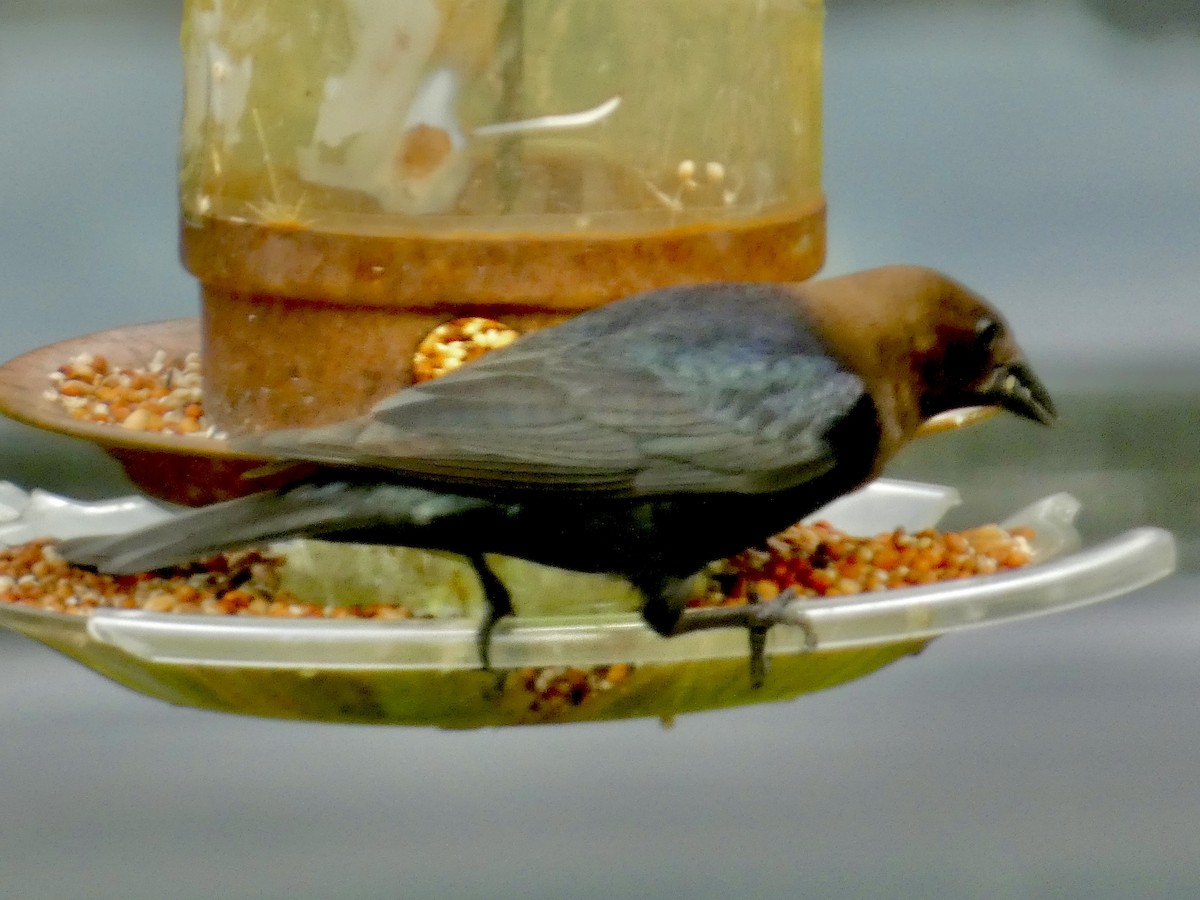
(524,157)
(426,672)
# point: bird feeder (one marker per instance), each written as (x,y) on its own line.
(356,174)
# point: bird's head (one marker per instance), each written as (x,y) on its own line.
(964,355)
(940,344)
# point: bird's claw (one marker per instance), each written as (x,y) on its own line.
(758,655)
(764,614)
(756,616)
(498,605)
(778,611)
(483,642)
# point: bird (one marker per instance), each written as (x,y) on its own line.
(644,438)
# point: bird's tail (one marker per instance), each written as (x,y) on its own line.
(312,510)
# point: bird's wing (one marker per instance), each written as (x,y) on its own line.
(649,403)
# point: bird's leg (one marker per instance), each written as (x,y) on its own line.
(667,613)
(758,654)
(498,602)
(764,614)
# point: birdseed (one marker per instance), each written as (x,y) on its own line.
(817,561)
(166,395)
(243,583)
(813,560)
(456,342)
(163,396)
(554,689)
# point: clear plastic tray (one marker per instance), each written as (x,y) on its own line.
(388,671)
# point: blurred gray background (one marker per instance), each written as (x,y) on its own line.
(1045,152)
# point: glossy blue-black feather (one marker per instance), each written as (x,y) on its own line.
(698,389)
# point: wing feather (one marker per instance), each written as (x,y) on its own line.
(667,393)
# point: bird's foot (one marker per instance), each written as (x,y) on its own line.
(779,611)
(498,605)
(483,642)
(762,615)
(756,616)
(758,655)
(483,638)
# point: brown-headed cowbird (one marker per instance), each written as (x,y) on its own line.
(644,438)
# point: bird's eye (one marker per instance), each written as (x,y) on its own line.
(987,331)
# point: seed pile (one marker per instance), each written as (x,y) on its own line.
(450,345)
(243,583)
(163,396)
(166,395)
(555,688)
(818,560)
(814,560)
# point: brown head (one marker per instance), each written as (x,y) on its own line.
(925,345)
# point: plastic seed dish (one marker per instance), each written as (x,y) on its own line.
(561,668)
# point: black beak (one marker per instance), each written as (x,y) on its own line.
(1014,387)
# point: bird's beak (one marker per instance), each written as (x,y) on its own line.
(1014,387)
